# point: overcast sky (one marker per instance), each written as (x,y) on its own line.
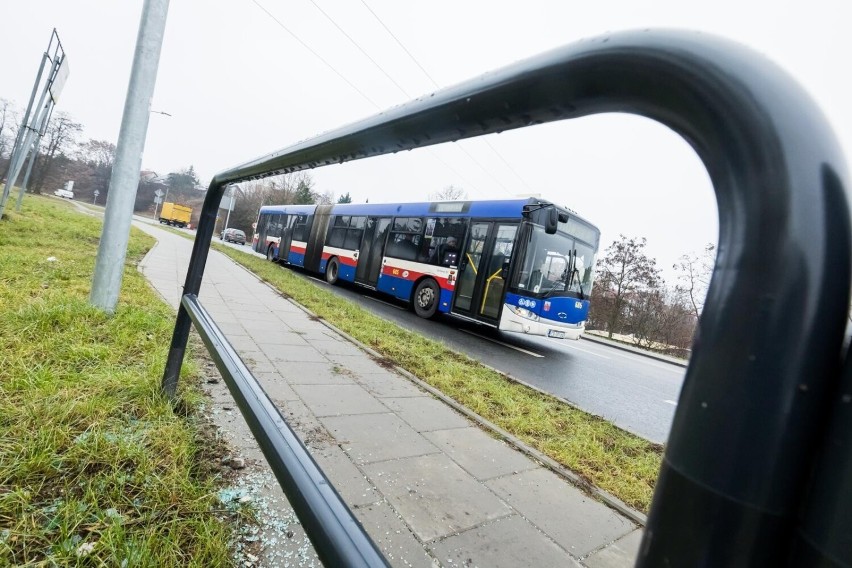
(239,85)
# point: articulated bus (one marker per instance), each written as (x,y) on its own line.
(522,265)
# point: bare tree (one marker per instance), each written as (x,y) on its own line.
(99,156)
(694,271)
(624,271)
(449,193)
(279,190)
(6,111)
(60,139)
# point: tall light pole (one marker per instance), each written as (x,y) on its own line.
(112,251)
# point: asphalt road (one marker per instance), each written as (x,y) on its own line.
(636,392)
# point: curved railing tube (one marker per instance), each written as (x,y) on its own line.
(825,537)
(764,364)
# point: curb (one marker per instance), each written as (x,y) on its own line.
(635,350)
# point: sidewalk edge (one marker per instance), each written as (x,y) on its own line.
(634,350)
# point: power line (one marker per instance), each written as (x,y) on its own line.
(437,86)
(378,66)
(317,55)
(361,49)
(414,59)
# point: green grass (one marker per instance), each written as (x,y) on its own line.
(610,458)
(96,467)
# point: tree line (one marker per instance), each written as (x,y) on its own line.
(65,155)
(631,301)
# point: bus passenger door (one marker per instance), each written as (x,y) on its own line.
(372,250)
(480,286)
(286,237)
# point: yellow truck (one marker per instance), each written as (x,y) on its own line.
(174,214)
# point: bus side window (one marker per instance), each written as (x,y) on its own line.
(406,238)
(445,244)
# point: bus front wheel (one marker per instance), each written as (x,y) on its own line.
(270,254)
(332,271)
(426,297)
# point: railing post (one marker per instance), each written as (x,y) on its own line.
(194,276)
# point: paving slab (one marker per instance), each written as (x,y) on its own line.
(393,537)
(435,496)
(377,437)
(622,552)
(336,348)
(578,523)
(479,454)
(314,373)
(425,414)
(386,384)
(336,400)
(506,543)
(358,364)
(276,387)
(355,488)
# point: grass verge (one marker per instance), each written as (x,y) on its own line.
(96,468)
(610,458)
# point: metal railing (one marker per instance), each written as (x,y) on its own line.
(762,408)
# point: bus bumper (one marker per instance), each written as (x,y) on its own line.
(509,321)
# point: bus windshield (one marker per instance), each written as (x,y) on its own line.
(555,264)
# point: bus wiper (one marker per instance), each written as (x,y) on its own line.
(579,284)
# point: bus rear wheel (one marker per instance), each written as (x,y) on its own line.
(332,271)
(426,297)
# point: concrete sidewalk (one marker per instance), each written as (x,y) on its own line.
(431,487)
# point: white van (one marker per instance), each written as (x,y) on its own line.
(64,193)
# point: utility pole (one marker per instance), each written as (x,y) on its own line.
(109,266)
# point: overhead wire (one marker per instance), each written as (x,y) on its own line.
(317,55)
(438,86)
(391,79)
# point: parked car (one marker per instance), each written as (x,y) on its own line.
(233,236)
(67,194)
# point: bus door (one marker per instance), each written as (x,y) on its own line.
(286,237)
(264,226)
(481,286)
(372,250)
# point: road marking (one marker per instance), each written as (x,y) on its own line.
(564,343)
(640,358)
(502,343)
(673,403)
(385,303)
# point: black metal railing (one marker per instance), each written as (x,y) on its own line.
(762,404)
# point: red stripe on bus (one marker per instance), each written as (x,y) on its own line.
(414,275)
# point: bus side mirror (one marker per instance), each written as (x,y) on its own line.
(551,220)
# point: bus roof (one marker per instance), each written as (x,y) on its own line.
(495,208)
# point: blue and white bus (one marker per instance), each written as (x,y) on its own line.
(521,265)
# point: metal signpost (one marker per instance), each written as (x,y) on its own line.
(34,123)
(158,199)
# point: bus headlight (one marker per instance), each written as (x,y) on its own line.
(523,312)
